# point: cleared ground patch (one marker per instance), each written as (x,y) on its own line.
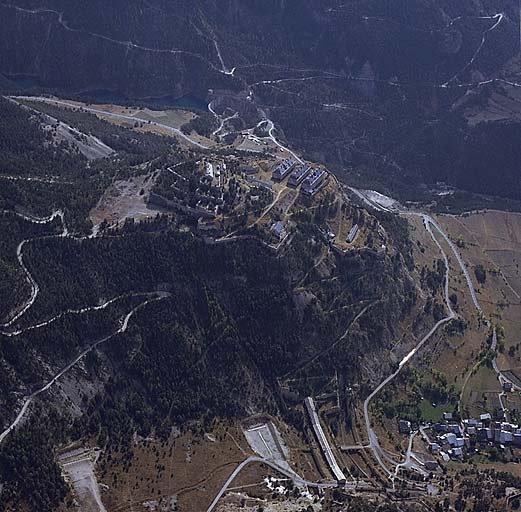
(265,440)
(125,199)
(188,468)
(78,467)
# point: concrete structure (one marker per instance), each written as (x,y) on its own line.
(503,437)
(260,183)
(455,429)
(449,438)
(209,170)
(434,448)
(249,170)
(323,442)
(298,176)
(352,234)
(460,442)
(278,230)
(314,182)
(456,452)
(264,439)
(283,169)
(472,423)
(404,427)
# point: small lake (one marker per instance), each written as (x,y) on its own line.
(107,96)
(103,96)
(161,102)
(24,81)
(189,102)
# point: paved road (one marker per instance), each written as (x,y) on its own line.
(271,130)
(290,474)
(373,438)
(221,120)
(502,377)
(104,305)
(367,201)
(428,220)
(155,296)
(19,255)
(297,480)
(5,328)
(411,461)
(407,461)
(89,145)
(225,70)
(175,131)
(499,18)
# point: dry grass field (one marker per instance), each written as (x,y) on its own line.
(189,468)
(493,240)
(502,106)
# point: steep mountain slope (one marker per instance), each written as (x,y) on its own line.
(140,329)
(113,45)
(128,332)
(369,87)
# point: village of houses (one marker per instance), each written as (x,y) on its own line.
(459,439)
(268,194)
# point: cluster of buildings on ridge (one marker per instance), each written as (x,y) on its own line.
(452,439)
(311,179)
(211,197)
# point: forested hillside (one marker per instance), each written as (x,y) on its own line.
(172,285)
(375,89)
(149,328)
(215,347)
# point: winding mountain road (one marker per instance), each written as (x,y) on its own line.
(428,220)
(374,444)
(222,120)
(104,305)
(5,328)
(19,255)
(271,133)
(154,296)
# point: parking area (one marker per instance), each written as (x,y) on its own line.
(265,441)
